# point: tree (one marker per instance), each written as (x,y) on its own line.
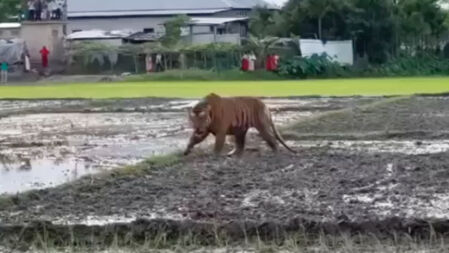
(371,25)
(173,31)
(9,9)
(318,9)
(265,22)
(422,22)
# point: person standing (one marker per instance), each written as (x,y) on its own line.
(245,62)
(38,9)
(31,10)
(158,62)
(44,56)
(4,72)
(149,63)
(58,13)
(275,62)
(55,11)
(269,63)
(46,14)
(252,62)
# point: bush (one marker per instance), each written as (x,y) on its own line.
(420,65)
(321,67)
(315,66)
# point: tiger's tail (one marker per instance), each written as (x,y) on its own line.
(279,137)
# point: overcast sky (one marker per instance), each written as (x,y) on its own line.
(278,2)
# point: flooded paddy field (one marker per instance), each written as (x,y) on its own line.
(47,143)
(364,165)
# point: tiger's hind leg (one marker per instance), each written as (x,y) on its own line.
(240,137)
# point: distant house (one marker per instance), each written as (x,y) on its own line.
(212,20)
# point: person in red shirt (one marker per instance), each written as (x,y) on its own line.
(269,63)
(272,62)
(44,56)
(275,62)
(245,62)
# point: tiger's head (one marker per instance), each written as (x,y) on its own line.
(200,117)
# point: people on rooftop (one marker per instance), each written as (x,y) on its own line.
(44,10)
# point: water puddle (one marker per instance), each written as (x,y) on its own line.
(41,173)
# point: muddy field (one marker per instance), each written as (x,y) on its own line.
(47,143)
(364,165)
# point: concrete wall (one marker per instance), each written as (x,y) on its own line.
(39,34)
(10,33)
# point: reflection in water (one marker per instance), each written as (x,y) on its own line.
(42,173)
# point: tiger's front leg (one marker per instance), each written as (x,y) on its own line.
(194,140)
(220,139)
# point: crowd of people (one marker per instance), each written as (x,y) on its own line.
(44,10)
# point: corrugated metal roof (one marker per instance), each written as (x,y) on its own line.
(214,20)
(131,6)
(98,34)
(142,36)
(141,13)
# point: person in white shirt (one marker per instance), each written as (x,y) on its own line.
(31,10)
(252,62)
(158,62)
(52,6)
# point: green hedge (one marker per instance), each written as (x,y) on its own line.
(320,66)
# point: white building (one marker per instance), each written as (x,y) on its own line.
(212,20)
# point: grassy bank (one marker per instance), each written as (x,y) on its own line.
(195,89)
(207,75)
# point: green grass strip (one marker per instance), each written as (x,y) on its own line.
(192,89)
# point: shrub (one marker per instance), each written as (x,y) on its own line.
(315,66)
(422,64)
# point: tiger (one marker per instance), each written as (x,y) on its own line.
(222,116)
